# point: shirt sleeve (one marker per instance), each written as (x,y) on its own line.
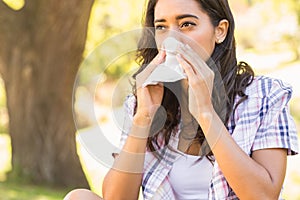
(129,106)
(277,128)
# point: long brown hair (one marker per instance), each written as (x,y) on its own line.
(234,76)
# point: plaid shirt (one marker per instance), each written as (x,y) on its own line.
(262,121)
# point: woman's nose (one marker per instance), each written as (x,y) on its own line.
(176,34)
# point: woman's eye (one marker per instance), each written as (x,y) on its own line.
(159,27)
(187,24)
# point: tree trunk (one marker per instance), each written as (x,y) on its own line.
(41,50)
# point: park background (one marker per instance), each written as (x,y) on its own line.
(268,38)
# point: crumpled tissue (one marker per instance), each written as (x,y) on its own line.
(170,70)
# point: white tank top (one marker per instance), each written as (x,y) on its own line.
(190,178)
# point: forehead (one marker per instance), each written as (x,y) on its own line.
(166,8)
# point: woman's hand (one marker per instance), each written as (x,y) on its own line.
(200,81)
(149,98)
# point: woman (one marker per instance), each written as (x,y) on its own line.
(239,145)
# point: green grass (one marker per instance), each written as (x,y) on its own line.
(17,191)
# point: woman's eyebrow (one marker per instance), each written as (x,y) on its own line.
(159,20)
(186,16)
(179,17)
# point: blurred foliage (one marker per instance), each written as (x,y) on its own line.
(3,109)
(274,25)
(292,38)
(295,111)
(15,4)
(109,20)
(294,6)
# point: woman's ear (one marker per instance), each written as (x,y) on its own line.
(221,31)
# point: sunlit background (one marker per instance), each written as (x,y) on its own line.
(268,38)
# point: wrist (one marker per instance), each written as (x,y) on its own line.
(141,120)
(140,126)
(206,114)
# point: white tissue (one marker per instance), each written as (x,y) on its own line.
(170,70)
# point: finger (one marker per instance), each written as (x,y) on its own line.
(143,75)
(195,54)
(193,76)
(199,67)
(155,87)
(186,66)
(159,58)
(203,69)
(187,55)
(193,58)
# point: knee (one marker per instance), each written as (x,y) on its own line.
(75,194)
(82,194)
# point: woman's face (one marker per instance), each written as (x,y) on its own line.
(184,20)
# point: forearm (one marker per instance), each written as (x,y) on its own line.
(123,180)
(248,179)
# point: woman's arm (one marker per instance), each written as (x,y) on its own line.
(259,177)
(124,179)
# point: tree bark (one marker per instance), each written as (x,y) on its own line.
(41,50)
